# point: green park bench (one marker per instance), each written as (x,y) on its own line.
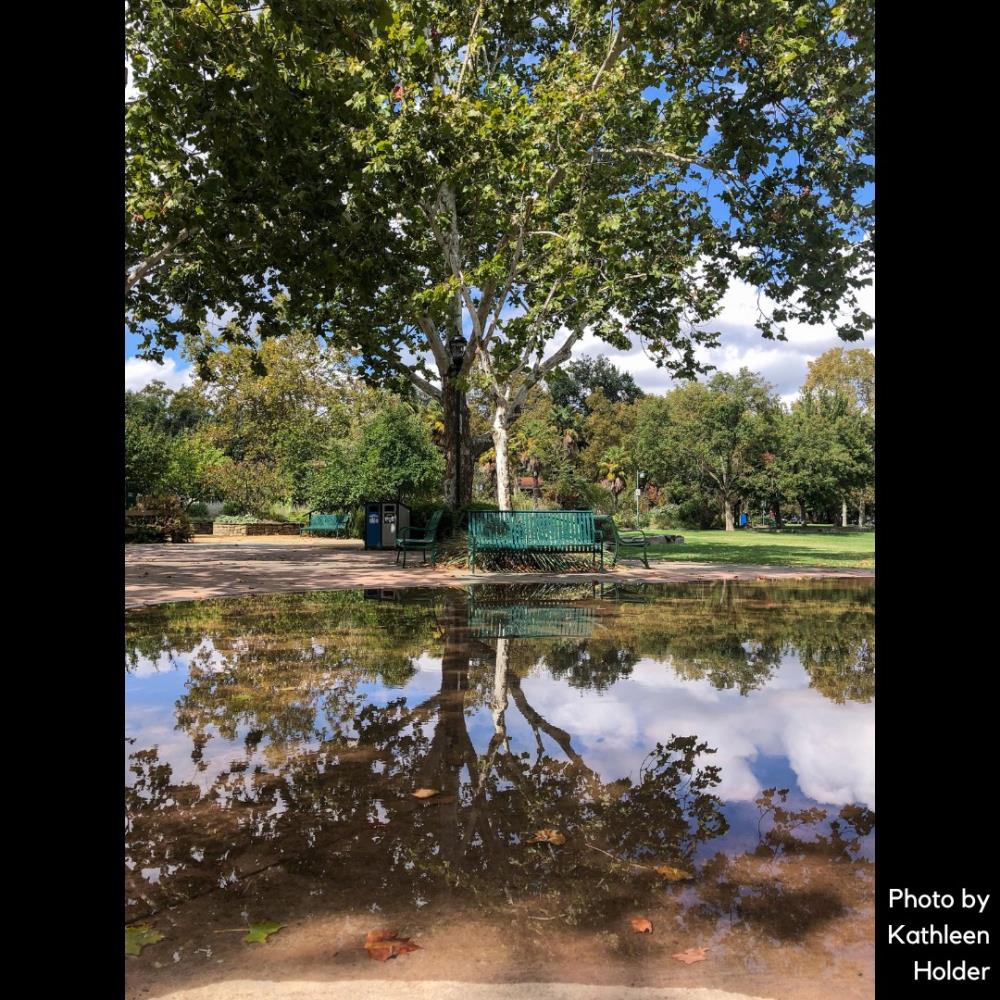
(419,539)
(326,524)
(533,531)
(618,543)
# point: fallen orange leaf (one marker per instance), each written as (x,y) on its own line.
(424,793)
(672,874)
(383,945)
(691,955)
(641,925)
(547,836)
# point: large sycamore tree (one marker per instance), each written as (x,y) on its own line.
(458,196)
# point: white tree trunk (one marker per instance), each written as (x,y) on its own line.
(861,513)
(843,513)
(500,448)
(498,703)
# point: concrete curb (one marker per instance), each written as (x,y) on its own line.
(383,989)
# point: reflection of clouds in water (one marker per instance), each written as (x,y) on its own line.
(145,667)
(427,663)
(830,747)
(424,684)
(155,686)
(204,654)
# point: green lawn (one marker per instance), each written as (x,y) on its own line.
(749,547)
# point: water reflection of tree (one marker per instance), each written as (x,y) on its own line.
(334,800)
(808,868)
(323,785)
(735,636)
(593,665)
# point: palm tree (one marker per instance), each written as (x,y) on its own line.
(613,464)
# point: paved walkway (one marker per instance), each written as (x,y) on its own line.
(233,567)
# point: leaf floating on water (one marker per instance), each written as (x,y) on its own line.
(691,955)
(138,936)
(424,793)
(641,925)
(672,874)
(260,932)
(382,945)
(547,836)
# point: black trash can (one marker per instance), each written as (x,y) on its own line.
(383,519)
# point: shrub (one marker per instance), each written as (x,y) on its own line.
(287,515)
(198,511)
(236,518)
(160,518)
(248,488)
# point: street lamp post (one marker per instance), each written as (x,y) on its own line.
(638,493)
(457,346)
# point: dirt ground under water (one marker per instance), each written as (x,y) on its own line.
(808,935)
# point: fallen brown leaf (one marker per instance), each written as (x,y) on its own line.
(424,793)
(547,836)
(672,874)
(691,955)
(383,945)
(641,925)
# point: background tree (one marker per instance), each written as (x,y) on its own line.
(571,385)
(614,468)
(249,487)
(396,456)
(147,456)
(489,171)
(276,402)
(820,458)
(717,436)
(607,425)
(193,468)
(851,373)
(391,454)
(173,411)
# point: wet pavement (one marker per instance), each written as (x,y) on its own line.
(219,568)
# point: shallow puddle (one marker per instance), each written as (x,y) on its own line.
(699,755)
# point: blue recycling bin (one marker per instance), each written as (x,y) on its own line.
(383,519)
(743,520)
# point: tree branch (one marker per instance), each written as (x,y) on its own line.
(540,371)
(617,46)
(469,47)
(409,373)
(430,331)
(142,269)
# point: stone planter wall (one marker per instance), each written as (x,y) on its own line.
(201,527)
(259,528)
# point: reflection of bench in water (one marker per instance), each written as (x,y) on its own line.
(494,620)
(626,593)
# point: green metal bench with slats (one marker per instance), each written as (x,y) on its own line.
(533,531)
(620,544)
(421,540)
(326,524)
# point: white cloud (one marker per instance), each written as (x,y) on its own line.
(829,747)
(782,363)
(139,372)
